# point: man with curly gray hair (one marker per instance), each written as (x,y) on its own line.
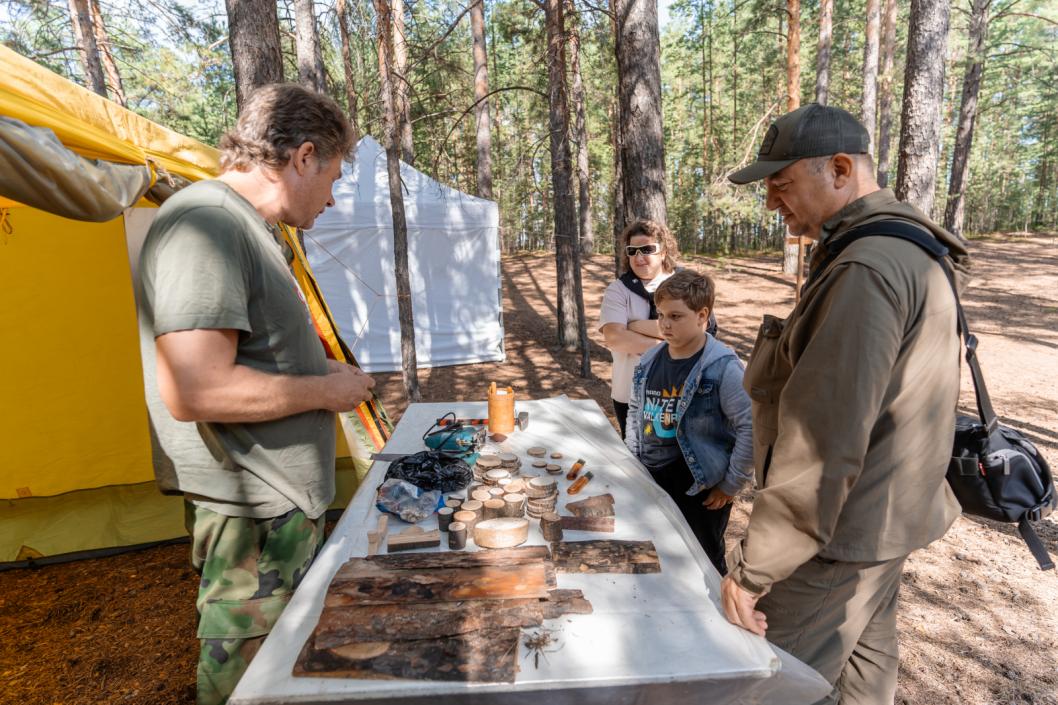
(239,389)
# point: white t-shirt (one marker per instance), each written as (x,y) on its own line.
(619,305)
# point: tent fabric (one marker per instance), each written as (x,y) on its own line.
(453,262)
(93,126)
(75,464)
(37,170)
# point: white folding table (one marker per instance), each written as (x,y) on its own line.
(652,638)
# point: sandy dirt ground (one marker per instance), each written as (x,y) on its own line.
(978,622)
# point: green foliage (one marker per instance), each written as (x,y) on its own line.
(723,74)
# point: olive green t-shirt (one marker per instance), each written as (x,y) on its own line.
(210,261)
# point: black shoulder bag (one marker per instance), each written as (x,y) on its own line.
(995,472)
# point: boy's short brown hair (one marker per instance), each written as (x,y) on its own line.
(277,119)
(693,288)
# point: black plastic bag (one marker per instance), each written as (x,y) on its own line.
(432,470)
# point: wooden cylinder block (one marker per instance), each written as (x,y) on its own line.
(514,504)
(444,518)
(504,532)
(457,535)
(467,519)
(493,508)
(473,505)
(551,526)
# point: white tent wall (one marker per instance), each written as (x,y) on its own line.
(453,262)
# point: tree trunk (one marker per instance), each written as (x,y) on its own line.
(85,37)
(401,83)
(615,142)
(580,133)
(642,137)
(885,98)
(408,363)
(868,109)
(971,86)
(351,96)
(482,114)
(794,250)
(826,22)
(253,35)
(117,88)
(920,124)
(567,254)
(307,40)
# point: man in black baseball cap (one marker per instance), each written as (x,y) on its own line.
(854,398)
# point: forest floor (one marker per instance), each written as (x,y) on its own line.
(977,619)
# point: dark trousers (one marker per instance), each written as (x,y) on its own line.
(621,411)
(708,525)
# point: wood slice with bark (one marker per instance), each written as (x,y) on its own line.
(486,655)
(487,582)
(598,506)
(606,556)
(349,624)
(602,524)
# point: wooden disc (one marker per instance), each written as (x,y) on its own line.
(497,492)
(503,482)
(556,455)
(488,462)
(494,476)
(537,451)
(516,484)
(508,458)
(472,505)
(554,469)
(539,464)
(504,532)
(547,484)
(481,495)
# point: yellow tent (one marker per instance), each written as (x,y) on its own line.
(75,465)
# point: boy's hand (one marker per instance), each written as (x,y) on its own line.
(717,499)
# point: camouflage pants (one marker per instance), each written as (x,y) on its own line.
(249,569)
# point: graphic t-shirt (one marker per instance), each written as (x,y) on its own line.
(664,385)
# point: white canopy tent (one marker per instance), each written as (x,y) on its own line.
(453,261)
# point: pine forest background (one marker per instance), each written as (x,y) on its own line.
(723,68)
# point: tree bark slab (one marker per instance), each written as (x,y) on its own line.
(606,556)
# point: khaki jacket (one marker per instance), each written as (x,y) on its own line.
(854,398)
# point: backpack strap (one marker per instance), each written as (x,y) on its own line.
(1039,551)
(933,247)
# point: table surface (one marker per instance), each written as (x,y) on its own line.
(651,638)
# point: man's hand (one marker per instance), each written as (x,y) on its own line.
(739,607)
(717,499)
(349,386)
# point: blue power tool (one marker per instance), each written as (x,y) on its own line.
(455,438)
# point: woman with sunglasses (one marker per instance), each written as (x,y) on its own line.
(628,319)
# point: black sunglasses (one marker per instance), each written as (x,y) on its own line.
(651,249)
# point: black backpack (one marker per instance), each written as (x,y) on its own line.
(995,472)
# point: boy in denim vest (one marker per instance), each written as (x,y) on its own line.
(689,420)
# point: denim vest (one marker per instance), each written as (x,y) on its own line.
(705,437)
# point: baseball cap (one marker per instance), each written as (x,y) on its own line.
(813,130)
